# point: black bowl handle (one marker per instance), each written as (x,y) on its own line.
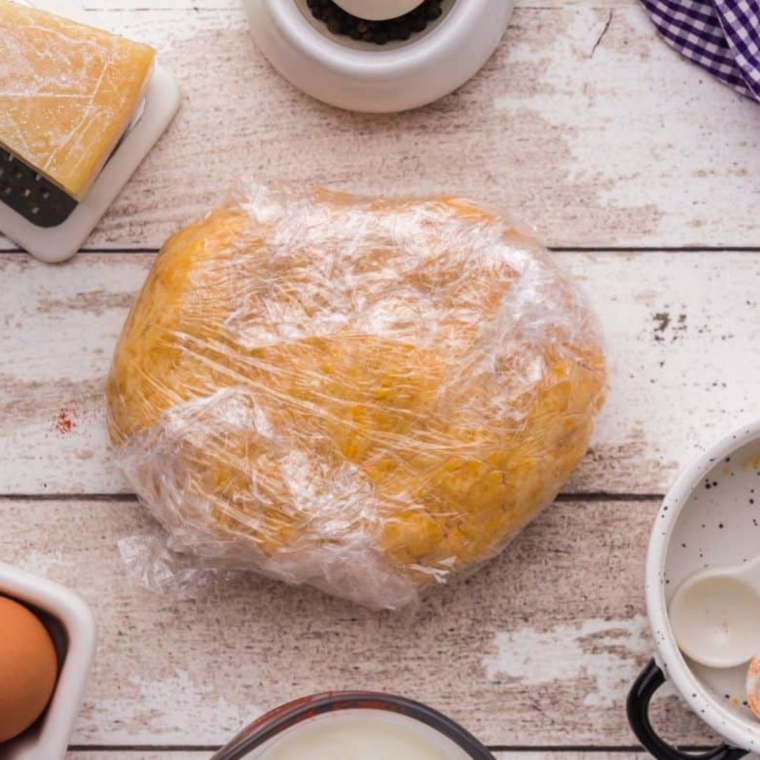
(650,679)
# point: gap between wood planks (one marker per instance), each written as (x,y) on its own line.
(131,497)
(553,249)
(570,748)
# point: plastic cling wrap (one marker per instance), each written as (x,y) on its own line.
(364,395)
(67,93)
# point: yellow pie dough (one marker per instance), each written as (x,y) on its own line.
(364,395)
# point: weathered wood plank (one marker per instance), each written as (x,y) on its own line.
(109,754)
(202,754)
(194,6)
(531,650)
(598,142)
(682,333)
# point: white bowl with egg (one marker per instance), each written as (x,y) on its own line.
(710,518)
(71,626)
(362,76)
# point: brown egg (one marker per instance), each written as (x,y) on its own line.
(28,668)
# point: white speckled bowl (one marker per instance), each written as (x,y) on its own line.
(364,77)
(710,517)
(72,627)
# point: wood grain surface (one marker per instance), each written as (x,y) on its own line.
(680,331)
(531,651)
(636,165)
(583,123)
(204,754)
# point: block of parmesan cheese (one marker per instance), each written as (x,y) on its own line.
(67,93)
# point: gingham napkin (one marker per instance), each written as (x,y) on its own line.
(722,36)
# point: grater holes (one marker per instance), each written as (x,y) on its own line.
(31,194)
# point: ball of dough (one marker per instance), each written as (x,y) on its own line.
(362,395)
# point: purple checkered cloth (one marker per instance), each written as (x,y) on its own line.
(722,36)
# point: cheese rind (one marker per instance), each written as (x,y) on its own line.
(67,93)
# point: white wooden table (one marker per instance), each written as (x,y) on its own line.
(636,167)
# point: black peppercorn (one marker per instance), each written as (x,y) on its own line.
(340,22)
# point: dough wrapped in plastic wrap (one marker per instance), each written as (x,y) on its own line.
(365,395)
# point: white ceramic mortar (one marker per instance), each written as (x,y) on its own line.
(367,77)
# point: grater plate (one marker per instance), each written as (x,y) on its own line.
(60,242)
(28,193)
